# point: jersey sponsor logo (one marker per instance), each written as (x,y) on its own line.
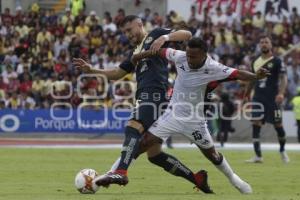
(182,67)
(225,70)
(148,40)
(270,65)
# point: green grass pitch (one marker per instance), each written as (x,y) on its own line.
(42,174)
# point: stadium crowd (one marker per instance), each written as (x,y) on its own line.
(37,47)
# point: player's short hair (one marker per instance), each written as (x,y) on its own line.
(264,36)
(197,42)
(129,18)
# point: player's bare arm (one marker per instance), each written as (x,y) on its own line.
(180,35)
(145,54)
(87,68)
(249,76)
(248,90)
(282,87)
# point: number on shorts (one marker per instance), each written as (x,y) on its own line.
(197,135)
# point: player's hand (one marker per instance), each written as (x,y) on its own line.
(81,65)
(246,99)
(262,73)
(134,59)
(279,98)
(158,43)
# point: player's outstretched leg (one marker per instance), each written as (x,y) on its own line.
(133,133)
(221,164)
(176,168)
(281,139)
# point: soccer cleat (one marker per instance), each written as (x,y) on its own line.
(255,160)
(111,178)
(284,157)
(201,180)
(241,185)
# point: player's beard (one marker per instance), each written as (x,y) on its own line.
(265,51)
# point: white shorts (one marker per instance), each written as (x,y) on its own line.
(196,132)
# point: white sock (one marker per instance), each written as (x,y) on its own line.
(116,164)
(225,168)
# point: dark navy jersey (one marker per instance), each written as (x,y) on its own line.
(268,87)
(151,72)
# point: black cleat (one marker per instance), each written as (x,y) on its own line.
(111,178)
(201,180)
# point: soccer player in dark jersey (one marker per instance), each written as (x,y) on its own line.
(152,83)
(269,95)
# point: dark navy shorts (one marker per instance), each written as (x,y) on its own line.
(150,104)
(271,112)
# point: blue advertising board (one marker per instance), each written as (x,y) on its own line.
(63,121)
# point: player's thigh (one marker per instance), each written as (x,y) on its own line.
(147,112)
(258,112)
(165,126)
(154,150)
(148,140)
(274,114)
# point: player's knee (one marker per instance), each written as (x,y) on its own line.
(256,123)
(280,132)
(154,150)
(147,141)
(136,125)
(278,125)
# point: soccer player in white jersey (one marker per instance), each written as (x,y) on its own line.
(197,75)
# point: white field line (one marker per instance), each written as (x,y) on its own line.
(228,146)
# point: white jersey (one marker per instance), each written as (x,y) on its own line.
(193,85)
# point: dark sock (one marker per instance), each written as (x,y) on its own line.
(130,147)
(281,137)
(256,138)
(173,166)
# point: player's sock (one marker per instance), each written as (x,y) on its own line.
(116,164)
(256,139)
(130,147)
(281,137)
(173,166)
(225,168)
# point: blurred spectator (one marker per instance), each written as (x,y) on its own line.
(218,18)
(82,30)
(92,19)
(109,25)
(119,17)
(272,17)
(157,20)
(67,17)
(37,46)
(258,20)
(76,6)
(146,15)
(175,17)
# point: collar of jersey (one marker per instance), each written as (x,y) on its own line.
(201,66)
(139,47)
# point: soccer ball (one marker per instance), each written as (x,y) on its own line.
(84,181)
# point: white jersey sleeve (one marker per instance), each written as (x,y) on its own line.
(221,71)
(173,55)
